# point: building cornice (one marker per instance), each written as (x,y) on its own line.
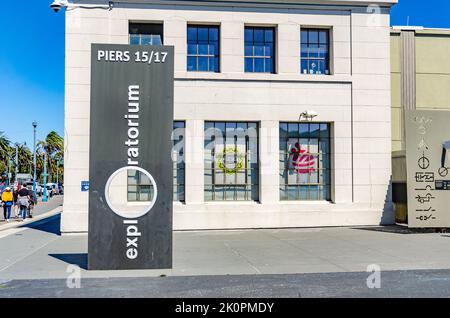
(363,3)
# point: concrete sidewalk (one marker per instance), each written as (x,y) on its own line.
(42,211)
(39,252)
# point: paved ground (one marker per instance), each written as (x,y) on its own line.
(41,207)
(40,252)
(333,261)
(426,284)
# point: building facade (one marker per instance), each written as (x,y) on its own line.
(282,109)
(420,68)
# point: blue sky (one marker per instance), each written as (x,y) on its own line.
(32,61)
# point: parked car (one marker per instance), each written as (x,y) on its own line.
(39,189)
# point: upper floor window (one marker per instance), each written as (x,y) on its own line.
(203,48)
(146,33)
(315,51)
(259,50)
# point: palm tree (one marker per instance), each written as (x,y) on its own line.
(25,158)
(4,141)
(53,145)
(5,150)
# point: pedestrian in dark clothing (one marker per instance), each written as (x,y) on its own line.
(32,202)
(15,204)
(24,201)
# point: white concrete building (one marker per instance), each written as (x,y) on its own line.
(257,65)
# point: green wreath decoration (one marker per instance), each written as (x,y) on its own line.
(239,164)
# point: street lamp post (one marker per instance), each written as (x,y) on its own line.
(16,182)
(45,198)
(9,172)
(57,168)
(34,123)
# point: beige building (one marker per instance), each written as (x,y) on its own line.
(420,67)
(307,82)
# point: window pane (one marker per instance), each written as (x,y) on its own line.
(314,130)
(314,193)
(211,64)
(192,48)
(315,51)
(203,49)
(202,35)
(230,175)
(304,37)
(323,51)
(323,37)
(214,34)
(283,130)
(269,35)
(268,50)
(304,51)
(134,39)
(146,39)
(208,193)
(192,35)
(156,40)
(303,166)
(259,36)
(259,50)
(304,193)
(248,50)
(269,65)
(216,64)
(191,63)
(293,130)
(212,49)
(324,146)
(203,44)
(324,131)
(248,36)
(146,33)
(313,37)
(202,64)
(259,44)
(313,66)
(248,64)
(179,165)
(259,65)
(304,67)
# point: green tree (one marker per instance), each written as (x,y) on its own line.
(25,158)
(5,150)
(53,146)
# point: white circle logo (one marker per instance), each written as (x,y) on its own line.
(124,208)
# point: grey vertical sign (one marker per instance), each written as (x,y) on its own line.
(130,128)
(428,168)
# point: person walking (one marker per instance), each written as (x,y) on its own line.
(7,200)
(32,203)
(23,199)
(15,203)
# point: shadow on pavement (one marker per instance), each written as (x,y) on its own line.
(80,259)
(397,229)
(49,225)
